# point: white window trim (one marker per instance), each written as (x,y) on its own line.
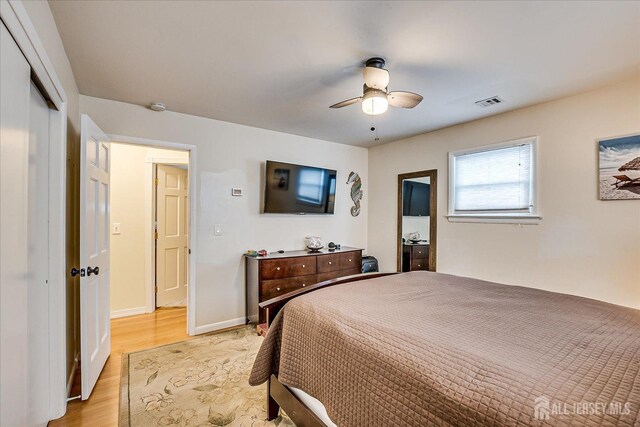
(532,217)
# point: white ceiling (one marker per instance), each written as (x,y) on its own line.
(279,65)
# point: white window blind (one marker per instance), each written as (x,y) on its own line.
(311,185)
(496,180)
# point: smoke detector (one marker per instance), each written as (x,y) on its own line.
(489,101)
(157,106)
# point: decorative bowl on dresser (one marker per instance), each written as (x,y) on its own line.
(279,273)
(415,256)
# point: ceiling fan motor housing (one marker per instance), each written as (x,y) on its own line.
(375,62)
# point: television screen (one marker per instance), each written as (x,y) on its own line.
(297,189)
(415,198)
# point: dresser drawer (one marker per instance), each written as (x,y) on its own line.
(419,264)
(340,273)
(287,267)
(351,260)
(420,252)
(277,287)
(328,263)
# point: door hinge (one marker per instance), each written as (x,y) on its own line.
(157,181)
(156,234)
(156,289)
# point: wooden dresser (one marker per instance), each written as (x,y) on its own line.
(415,256)
(277,274)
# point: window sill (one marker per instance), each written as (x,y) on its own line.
(497,219)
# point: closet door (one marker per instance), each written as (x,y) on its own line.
(14,158)
(24,325)
(38,260)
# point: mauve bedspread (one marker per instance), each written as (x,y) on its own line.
(424,348)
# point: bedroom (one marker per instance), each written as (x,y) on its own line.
(245,83)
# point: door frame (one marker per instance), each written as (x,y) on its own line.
(17,20)
(193,234)
(150,213)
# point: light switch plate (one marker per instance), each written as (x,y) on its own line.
(217,230)
(115,228)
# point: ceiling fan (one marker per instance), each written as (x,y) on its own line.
(376,99)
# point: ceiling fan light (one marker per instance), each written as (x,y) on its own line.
(374,103)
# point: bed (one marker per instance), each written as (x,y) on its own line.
(425,348)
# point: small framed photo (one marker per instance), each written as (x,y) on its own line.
(619,168)
(280,179)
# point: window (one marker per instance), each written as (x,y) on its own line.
(311,186)
(495,183)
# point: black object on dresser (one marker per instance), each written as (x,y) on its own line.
(415,256)
(277,274)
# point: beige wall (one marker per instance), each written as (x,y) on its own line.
(230,155)
(129,181)
(42,20)
(582,246)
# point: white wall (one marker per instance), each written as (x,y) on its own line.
(230,155)
(582,246)
(411,224)
(129,182)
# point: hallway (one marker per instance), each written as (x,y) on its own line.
(129,334)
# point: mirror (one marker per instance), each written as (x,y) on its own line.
(417,226)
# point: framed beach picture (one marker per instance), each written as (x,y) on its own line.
(619,165)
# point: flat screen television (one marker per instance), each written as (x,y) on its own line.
(298,189)
(415,198)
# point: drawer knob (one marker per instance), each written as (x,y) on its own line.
(418,266)
(329,262)
(303,285)
(304,266)
(419,252)
(278,268)
(277,289)
(349,259)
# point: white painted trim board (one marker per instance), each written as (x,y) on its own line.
(128,312)
(220,325)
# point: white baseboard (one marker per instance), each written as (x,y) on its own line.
(220,325)
(72,375)
(128,312)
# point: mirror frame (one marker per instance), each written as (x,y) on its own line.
(433,215)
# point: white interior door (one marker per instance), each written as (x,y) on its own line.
(95,333)
(172,213)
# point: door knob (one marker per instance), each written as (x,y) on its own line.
(75,272)
(91,271)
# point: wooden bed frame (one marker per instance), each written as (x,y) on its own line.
(279,395)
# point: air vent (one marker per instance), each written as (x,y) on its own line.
(489,101)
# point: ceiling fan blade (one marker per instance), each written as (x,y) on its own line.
(376,78)
(346,103)
(404,99)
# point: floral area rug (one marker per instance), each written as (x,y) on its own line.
(198,382)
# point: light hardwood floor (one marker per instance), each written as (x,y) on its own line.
(164,326)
